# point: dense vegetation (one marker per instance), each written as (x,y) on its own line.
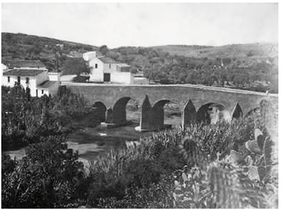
(202,166)
(52,52)
(251,67)
(254,71)
(26,119)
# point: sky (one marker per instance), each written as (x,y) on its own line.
(145,24)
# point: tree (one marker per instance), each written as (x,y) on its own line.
(75,66)
(49,176)
(103,49)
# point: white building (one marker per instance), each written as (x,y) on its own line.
(104,69)
(37,80)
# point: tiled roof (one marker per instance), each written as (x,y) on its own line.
(46,84)
(23,72)
(25,64)
(108,60)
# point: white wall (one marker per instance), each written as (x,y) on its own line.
(54,76)
(89,55)
(52,90)
(33,82)
(122,77)
(32,86)
(14,79)
(110,68)
(96,73)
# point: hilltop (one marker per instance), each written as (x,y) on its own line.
(234,50)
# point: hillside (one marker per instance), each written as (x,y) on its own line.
(234,50)
(242,66)
(24,46)
(31,47)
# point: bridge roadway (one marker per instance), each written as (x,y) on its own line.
(200,95)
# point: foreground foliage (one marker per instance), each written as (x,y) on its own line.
(25,119)
(201,166)
(48,176)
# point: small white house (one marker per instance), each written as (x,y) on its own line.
(104,69)
(37,80)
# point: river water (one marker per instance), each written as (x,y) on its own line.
(90,142)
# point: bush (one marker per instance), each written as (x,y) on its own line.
(49,176)
(81,79)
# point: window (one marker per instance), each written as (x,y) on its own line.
(42,91)
(27,80)
(8,79)
(96,65)
(19,79)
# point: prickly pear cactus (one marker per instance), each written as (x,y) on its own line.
(224,187)
(261,150)
(191,152)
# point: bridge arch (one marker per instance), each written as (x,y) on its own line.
(100,110)
(206,113)
(119,110)
(157,114)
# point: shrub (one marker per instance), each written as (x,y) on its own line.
(49,176)
(81,79)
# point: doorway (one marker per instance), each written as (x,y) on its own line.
(106,77)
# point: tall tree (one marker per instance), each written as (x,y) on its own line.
(75,66)
(103,49)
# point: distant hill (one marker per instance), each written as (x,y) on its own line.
(234,50)
(30,47)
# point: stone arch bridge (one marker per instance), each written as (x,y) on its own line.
(116,96)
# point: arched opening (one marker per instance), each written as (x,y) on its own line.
(133,110)
(99,109)
(210,113)
(172,114)
(119,111)
(157,115)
